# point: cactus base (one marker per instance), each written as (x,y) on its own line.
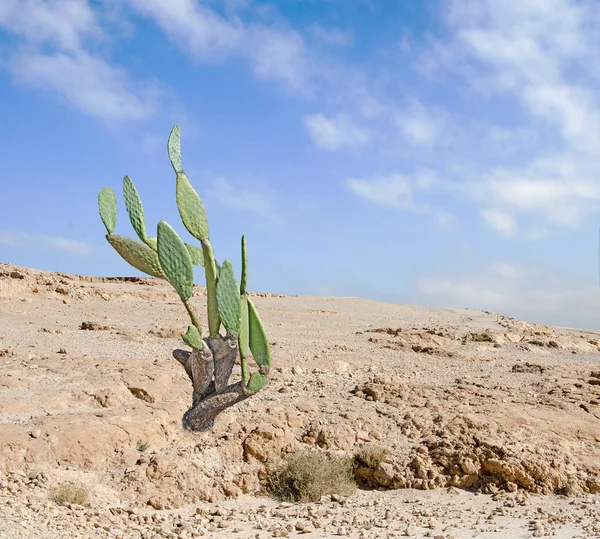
(201,416)
(211,396)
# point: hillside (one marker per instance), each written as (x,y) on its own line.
(462,401)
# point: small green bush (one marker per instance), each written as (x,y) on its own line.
(142,446)
(307,475)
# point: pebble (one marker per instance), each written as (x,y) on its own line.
(410,530)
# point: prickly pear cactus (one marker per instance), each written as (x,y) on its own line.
(166,256)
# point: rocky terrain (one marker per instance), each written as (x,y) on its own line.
(487,426)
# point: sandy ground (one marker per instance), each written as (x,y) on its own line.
(490,425)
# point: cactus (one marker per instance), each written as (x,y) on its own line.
(175,260)
(228,298)
(193,338)
(166,256)
(133,204)
(137,254)
(107,203)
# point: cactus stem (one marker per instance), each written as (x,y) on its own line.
(210,270)
(244,363)
(193,315)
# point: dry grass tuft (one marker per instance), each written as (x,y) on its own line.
(370,455)
(69,492)
(307,475)
(481,337)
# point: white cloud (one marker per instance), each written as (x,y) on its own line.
(280,54)
(336,132)
(535,233)
(274,51)
(562,189)
(194,26)
(526,292)
(243,199)
(418,124)
(510,140)
(331,36)
(500,221)
(85,82)
(399,191)
(36,242)
(446,220)
(460,293)
(52,55)
(572,108)
(394,191)
(60,22)
(506,270)
(66,245)
(537,54)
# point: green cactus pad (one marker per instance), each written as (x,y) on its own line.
(152,243)
(175,260)
(228,298)
(196,254)
(210,270)
(257,382)
(244,334)
(259,344)
(193,338)
(133,204)
(107,204)
(244,279)
(174,149)
(191,208)
(137,254)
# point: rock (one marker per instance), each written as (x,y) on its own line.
(93,326)
(268,441)
(410,530)
(339,436)
(141,393)
(303,527)
(384,474)
(341,367)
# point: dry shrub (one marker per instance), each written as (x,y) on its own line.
(370,455)
(69,492)
(307,475)
(481,337)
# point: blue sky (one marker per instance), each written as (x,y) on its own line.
(443,153)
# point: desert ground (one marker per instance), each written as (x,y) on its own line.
(488,426)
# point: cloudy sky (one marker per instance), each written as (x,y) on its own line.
(436,152)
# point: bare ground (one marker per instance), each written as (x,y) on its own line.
(491,426)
